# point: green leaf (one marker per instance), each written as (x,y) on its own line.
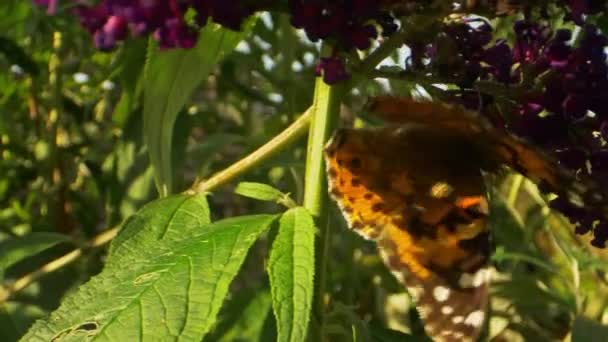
(172,218)
(263,192)
(17,249)
(247,321)
(15,318)
(381,334)
(170,79)
(169,291)
(291,270)
(131,61)
(586,330)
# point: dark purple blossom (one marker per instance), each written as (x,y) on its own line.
(580,8)
(499,59)
(529,42)
(332,69)
(561,102)
(347,22)
(114,30)
(229,14)
(175,33)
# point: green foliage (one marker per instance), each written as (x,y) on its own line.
(264,192)
(248,322)
(291,268)
(16,319)
(15,250)
(586,330)
(170,79)
(166,276)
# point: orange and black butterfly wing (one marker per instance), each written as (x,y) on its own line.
(497,147)
(428,213)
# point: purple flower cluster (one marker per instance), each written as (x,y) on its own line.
(562,102)
(581,8)
(458,52)
(347,24)
(111,21)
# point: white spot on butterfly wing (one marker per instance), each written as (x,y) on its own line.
(447,310)
(441,293)
(475,318)
(465,280)
(476,279)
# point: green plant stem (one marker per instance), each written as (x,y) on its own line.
(325,112)
(514,190)
(278,143)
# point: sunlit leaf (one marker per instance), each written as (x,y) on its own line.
(263,192)
(170,79)
(169,219)
(169,290)
(291,270)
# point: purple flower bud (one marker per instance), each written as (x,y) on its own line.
(92,18)
(575,106)
(530,38)
(51,5)
(113,30)
(361,37)
(604,129)
(332,69)
(347,22)
(500,60)
(174,34)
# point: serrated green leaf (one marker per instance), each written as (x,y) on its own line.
(170,79)
(291,271)
(14,250)
(586,330)
(172,218)
(171,290)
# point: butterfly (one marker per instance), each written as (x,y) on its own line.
(416,187)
